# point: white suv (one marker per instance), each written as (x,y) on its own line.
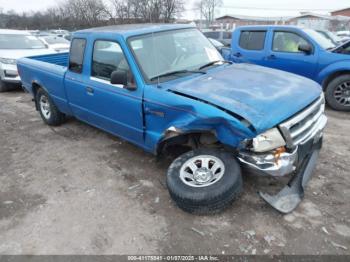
(15,44)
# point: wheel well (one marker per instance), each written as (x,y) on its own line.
(332,76)
(175,142)
(35,87)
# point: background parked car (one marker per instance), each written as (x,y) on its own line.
(223,37)
(57,43)
(297,50)
(332,37)
(59,32)
(218,45)
(344,35)
(15,44)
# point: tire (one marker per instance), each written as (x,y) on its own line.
(210,198)
(334,86)
(48,111)
(3,86)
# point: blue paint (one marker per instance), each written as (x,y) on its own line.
(234,102)
(319,65)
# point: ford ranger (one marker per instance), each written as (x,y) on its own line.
(163,87)
(301,51)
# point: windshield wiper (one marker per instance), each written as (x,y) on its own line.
(177,72)
(214,62)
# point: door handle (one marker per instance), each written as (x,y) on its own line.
(238,54)
(271,57)
(89,90)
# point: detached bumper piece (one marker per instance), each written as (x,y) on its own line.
(292,194)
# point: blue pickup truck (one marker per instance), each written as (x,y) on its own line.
(305,52)
(165,87)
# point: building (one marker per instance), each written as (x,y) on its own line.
(309,20)
(233,21)
(341,12)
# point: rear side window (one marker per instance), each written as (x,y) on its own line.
(76,57)
(252,40)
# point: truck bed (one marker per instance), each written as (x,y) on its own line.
(60,59)
(47,71)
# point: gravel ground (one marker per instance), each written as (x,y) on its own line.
(76,190)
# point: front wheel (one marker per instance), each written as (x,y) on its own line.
(338,93)
(48,110)
(204,181)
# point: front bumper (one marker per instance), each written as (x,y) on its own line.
(269,164)
(9,74)
(301,161)
(282,164)
(292,194)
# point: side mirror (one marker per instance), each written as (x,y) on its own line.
(120,77)
(306,48)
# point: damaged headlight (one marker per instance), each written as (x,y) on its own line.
(269,140)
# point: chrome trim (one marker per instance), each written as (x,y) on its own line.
(302,126)
(298,130)
(268,164)
(317,129)
(105,82)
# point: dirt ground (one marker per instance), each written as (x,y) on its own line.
(76,190)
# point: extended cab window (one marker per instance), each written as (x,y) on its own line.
(76,57)
(287,42)
(252,40)
(107,57)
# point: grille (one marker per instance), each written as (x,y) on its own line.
(306,124)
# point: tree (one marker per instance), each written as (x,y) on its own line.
(83,13)
(207,8)
(145,10)
(171,8)
(78,14)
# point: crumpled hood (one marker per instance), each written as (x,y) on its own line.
(263,96)
(19,53)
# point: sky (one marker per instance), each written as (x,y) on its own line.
(247,7)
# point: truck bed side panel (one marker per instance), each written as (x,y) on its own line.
(48,71)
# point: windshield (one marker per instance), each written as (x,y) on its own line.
(329,35)
(170,51)
(320,39)
(55,40)
(8,41)
(334,37)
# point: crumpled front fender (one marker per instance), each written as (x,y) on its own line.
(226,132)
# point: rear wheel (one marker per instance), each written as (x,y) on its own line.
(48,111)
(338,93)
(204,181)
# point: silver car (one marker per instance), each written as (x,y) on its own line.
(15,44)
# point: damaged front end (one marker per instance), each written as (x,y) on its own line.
(292,147)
